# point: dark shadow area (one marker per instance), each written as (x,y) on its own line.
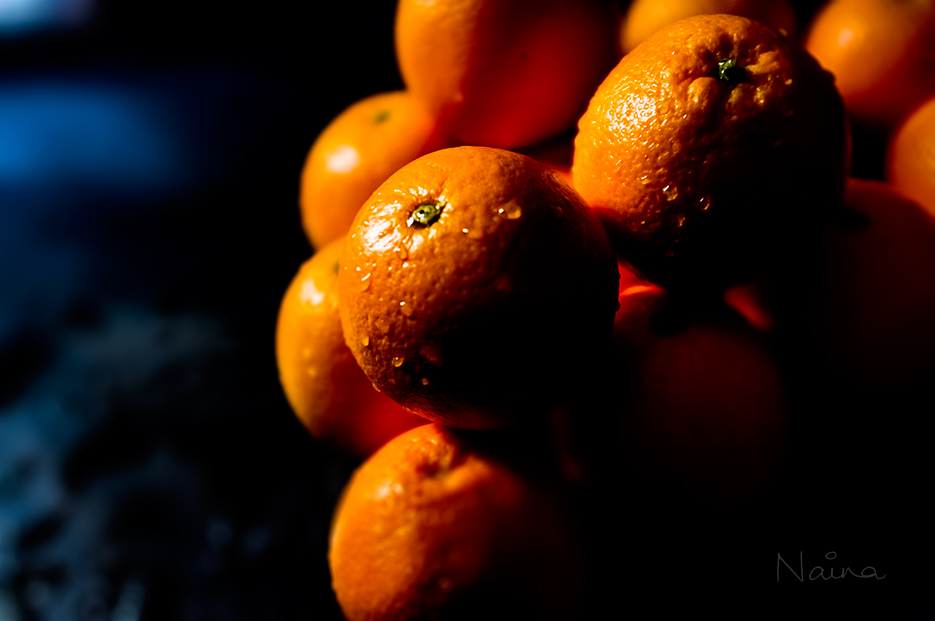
(150,467)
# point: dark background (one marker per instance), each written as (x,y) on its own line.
(149,163)
(150,153)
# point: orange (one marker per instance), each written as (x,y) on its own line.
(881,52)
(354,154)
(693,407)
(505,73)
(863,315)
(859,320)
(703,408)
(431,528)
(910,165)
(322,382)
(710,149)
(644,17)
(475,283)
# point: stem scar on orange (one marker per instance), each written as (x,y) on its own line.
(474,284)
(710,149)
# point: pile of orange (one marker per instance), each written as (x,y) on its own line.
(597,244)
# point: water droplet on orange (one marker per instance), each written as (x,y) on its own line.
(511,210)
(398,361)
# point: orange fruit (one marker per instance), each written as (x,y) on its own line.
(431,528)
(474,285)
(881,52)
(692,405)
(859,320)
(354,154)
(322,382)
(863,315)
(505,73)
(910,165)
(703,408)
(644,17)
(709,149)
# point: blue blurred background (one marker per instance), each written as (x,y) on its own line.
(149,163)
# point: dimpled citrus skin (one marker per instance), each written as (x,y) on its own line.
(355,153)
(505,73)
(320,378)
(430,528)
(701,179)
(478,318)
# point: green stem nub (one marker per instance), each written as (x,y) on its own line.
(730,74)
(425,214)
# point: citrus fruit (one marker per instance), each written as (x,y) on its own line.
(703,407)
(505,73)
(709,149)
(322,382)
(474,285)
(354,154)
(863,316)
(428,527)
(644,17)
(692,406)
(881,52)
(860,319)
(910,165)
